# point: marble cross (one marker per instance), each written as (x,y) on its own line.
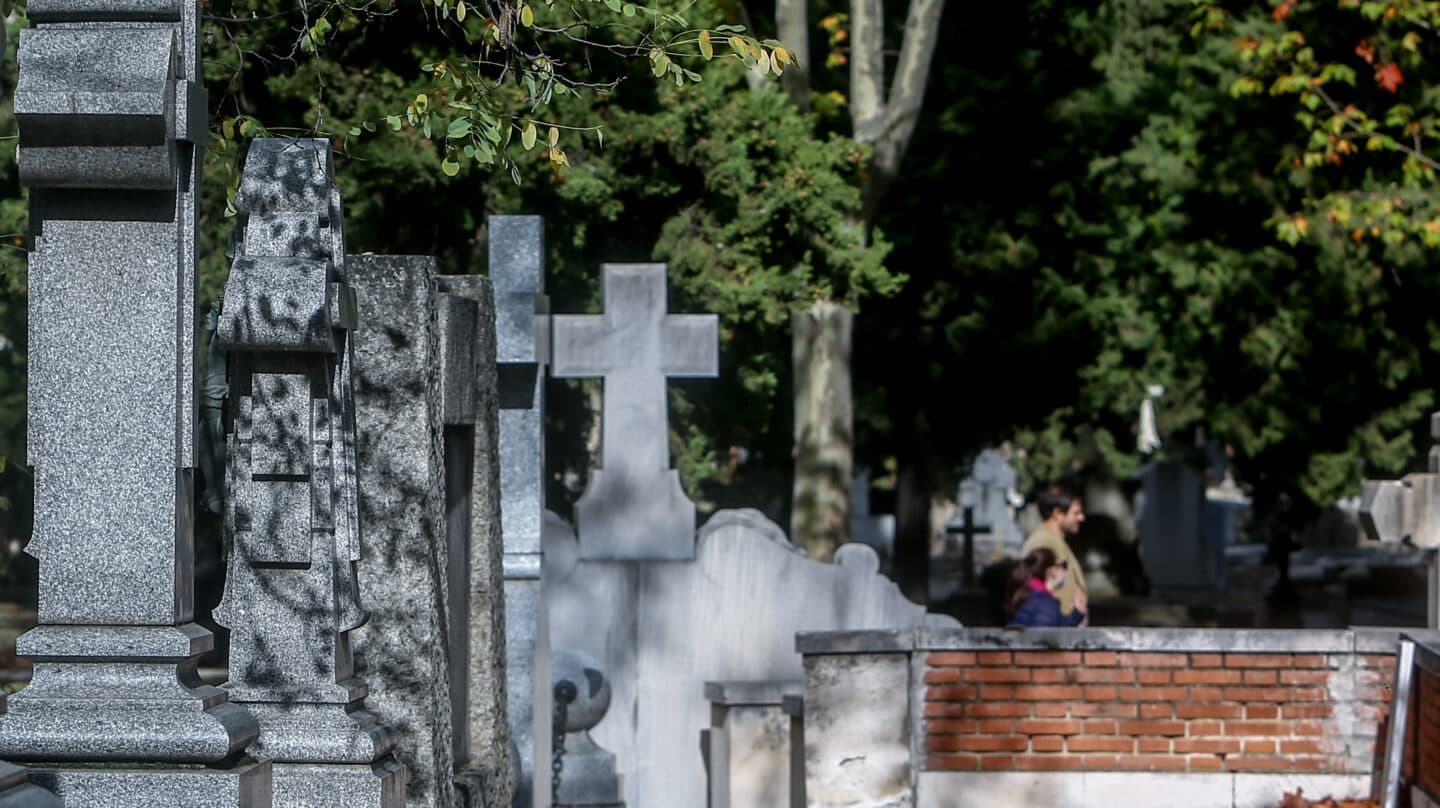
(634,507)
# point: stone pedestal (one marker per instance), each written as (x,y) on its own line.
(112,119)
(587,774)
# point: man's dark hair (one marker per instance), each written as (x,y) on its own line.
(1055,498)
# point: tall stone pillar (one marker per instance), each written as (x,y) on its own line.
(112,126)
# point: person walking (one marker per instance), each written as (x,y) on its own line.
(1031,601)
(1062,514)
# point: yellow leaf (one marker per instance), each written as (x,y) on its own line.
(738,45)
(781,56)
(763,62)
(460,11)
(706,48)
(554,136)
(527,136)
(527,15)
(421,102)
(557,156)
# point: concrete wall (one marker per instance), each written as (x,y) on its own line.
(1072,716)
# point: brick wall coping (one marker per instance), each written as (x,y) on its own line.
(1363,640)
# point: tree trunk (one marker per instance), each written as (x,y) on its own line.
(914,485)
(824,428)
(792,19)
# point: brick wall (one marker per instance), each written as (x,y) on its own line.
(1310,707)
(1423,743)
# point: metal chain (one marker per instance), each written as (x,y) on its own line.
(565,694)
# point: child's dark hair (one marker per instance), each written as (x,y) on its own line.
(1031,567)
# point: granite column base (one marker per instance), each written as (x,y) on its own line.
(146,787)
(326,785)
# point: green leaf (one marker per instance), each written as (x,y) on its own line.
(450,167)
(394,121)
(628,9)
(554,136)
(460,127)
(707,49)
(354,131)
(460,11)
(527,15)
(527,136)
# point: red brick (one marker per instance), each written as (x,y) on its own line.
(995,709)
(1204,763)
(1276,694)
(997,675)
(1311,694)
(1206,660)
(1047,762)
(1383,661)
(1152,694)
(1051,676)
(1307,728)
(1306,710)
(1209,711)
(951,693)
(1265,712)
(1101,693)
(950,725)
(1047,743)
(1259,747)
(1151,745)
(942,676)
(992,763)
(1217,746)
(1204,727)
(994,743)
(1101,726)
(1259,677)
(1154,660)
(1257,764)
(1321,678)
(951,658)
(1206,694)
(1259,660)
(1157,711)
(1097,658)
(1123,676)
(1214,676)
(1302,746)
(1047,727)
(943,743)
(1050,711)
(996,693)
(1152,728)
(994,657)
(1048,658)
(957,762)
(1309,661)
(1257,728)
(1095,763)
(996,726)
(1150,763)
(1103,710)
(1154,676)
(1046,692)
(1314,764)
(1100,743)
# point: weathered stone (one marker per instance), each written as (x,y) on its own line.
(112,116)
(853,755)
(522,351)
(15,789)
(404,653)
(754,750)
(292,599)
(473,516)
(145,787)
(587,776)
(634,508)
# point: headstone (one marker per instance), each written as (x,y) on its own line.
(404,654)
(876,531)
(662,629)
(469,390)
(292,599)
(112,118)
(753,752)
(1182,560)
(586,774)
(634,508)
(991,492)
(1405,510)
(522,351)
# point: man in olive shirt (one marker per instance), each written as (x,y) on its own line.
(1063,515)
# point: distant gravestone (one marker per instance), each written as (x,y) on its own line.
(1405,510)
(876,531)
(111,112)
(1181,559)
(634,508)
(661,630)
(990,492)
(292,599)
(517,252)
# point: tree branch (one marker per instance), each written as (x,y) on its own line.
(867,69)
(902,108)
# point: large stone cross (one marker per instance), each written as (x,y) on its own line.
(634,507)
(1408,509)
